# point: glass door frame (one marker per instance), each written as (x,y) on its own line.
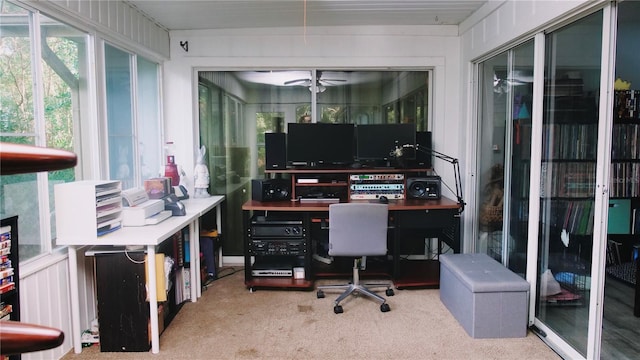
(601,198)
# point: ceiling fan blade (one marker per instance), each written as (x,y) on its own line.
(304,82)
(330,82)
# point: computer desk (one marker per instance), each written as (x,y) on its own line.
(436,218)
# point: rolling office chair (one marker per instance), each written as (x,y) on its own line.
(360,230)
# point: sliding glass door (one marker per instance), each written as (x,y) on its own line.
(504,149)
(621,313)
(568,178)
(557,173)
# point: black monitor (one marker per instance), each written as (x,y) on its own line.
(320,144)
(376,142)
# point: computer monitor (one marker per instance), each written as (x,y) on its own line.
(318,144)
(376,142)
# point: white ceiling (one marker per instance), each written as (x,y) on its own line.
(230,14)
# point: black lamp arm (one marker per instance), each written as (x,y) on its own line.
(451,160)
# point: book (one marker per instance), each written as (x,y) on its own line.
(4,288)
(6,273)
(619,216)
(5,310)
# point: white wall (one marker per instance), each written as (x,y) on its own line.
(361,47)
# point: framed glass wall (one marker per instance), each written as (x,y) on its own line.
(504,155)
(621,307)
(148,118)
(269,122)
(133,130)
(44,101)
(118,77)
(568,176)
(567,246)
(238,107)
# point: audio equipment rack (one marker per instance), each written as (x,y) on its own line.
(347,184)
(416,215)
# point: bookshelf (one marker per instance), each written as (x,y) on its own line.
(624,187)
(567,183)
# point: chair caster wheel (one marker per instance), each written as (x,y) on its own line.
(385,307)
(338,309)
(390,292)
(320,294)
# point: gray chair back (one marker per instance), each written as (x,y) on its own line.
(358,229)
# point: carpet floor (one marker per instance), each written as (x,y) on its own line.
(229,322)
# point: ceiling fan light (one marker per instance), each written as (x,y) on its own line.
(319,88)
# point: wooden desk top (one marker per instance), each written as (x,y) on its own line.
(394,205)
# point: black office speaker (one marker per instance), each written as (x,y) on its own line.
(424,160)
(424,187)
(270,189)
(275,151)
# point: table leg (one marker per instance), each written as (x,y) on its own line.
(194,237)
(75,299)
(219,223)
(153,298)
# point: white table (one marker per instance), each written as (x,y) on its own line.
(149,236)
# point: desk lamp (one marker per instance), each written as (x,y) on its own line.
(398,152)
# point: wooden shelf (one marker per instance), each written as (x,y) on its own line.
(275,282)
(363,170)
(418,274)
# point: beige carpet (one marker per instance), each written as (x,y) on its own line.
(229,322)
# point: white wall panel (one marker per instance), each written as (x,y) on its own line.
(116,20)
(45,300)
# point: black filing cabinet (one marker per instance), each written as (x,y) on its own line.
(123,311)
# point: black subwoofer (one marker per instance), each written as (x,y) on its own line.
(423,187)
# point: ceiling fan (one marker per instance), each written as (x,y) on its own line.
(319,82)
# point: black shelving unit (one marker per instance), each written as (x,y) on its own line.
(10,284)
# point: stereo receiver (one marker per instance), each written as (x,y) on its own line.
(372,186)
(277,247)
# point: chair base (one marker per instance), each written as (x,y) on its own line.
(356,288)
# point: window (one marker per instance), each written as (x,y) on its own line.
(42,104)
(568,177)
(266,122)
(148,118)
(238,106)
(504,153)
(134,154)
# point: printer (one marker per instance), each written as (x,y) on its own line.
(139,210)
